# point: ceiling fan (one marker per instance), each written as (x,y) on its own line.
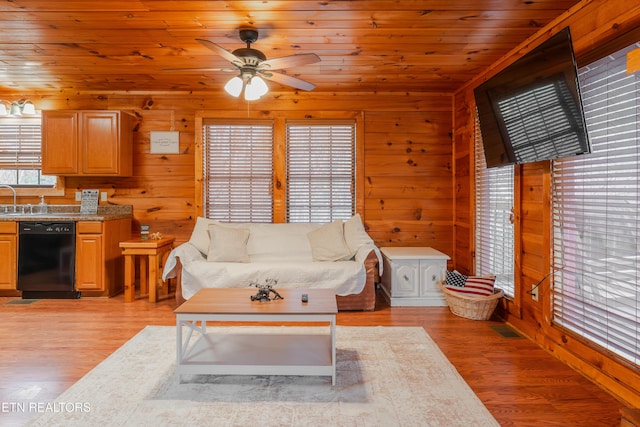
(252,64)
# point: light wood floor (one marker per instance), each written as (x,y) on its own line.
(49,344)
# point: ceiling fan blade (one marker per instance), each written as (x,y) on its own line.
(287,80)
(197,70)
(290,61)
(220,51)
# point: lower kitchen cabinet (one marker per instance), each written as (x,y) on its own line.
(410,276)
(8,255)
(99,262)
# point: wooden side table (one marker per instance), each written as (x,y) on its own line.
(151,252)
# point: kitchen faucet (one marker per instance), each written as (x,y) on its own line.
(15,209)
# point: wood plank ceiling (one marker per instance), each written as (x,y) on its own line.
(364,45)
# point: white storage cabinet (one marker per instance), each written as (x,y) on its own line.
(410,276)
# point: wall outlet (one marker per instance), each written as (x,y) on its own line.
(78,196)
(534,292)
(103,196)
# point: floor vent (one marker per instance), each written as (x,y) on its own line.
(20,301)
(506,331)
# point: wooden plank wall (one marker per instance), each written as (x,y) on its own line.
(407,146)
(408,195)
(592,24)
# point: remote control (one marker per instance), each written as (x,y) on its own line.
(305,298)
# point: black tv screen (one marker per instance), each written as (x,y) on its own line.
(531,110)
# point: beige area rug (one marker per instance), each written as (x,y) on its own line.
(386,376)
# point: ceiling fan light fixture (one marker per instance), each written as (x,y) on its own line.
(234,86)
(256,87)
(3,109)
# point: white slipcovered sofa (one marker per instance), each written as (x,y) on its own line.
(338,255)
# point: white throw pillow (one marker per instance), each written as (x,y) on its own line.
(200,234)
(354,234)
(327,243)
(228,244)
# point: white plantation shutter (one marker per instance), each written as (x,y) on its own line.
(494,231)
(596,219)
(320,170)
(238,168)
(20,143)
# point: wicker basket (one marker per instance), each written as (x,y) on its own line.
(472,307)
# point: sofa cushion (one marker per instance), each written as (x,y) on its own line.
(200,234)
(282,241)
(346,277)
(327,243)
(354,234)
(279,242)
(228,244)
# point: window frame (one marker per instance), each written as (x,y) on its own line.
(57,189)
(299,133)
(279,118)
(591,277)
(238,193)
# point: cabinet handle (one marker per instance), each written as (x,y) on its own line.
(433,278)
(405,278)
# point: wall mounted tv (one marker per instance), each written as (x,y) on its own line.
(531,110)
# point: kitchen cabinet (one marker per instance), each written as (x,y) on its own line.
(86,142)
(89,257)
(410,276)
(8,255)
(99,262)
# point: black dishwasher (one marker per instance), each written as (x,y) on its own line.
(46,260)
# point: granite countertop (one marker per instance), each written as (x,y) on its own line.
(68,213)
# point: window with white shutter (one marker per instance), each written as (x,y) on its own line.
(320,170)
(596,215)
(279,168)
(238,170)
(494,234)
(20,148)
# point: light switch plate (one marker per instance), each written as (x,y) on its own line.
(103,196)
(78,196)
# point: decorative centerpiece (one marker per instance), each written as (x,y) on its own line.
(265,290)
(156,236)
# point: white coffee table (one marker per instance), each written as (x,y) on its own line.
(253,353)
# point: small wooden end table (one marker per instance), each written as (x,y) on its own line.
(151,252)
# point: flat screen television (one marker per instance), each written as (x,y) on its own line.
(532,110)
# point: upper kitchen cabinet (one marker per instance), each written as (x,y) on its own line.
(92,143)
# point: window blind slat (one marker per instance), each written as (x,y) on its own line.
(596,219)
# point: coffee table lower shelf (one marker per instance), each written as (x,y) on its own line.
(257,354)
